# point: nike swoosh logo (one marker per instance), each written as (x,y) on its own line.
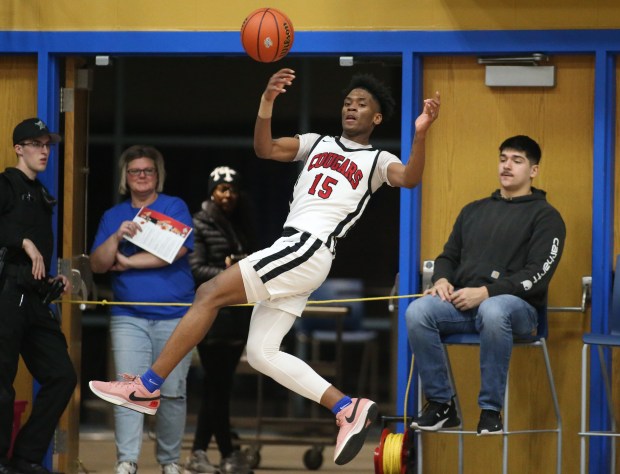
(133,398)
(350,419)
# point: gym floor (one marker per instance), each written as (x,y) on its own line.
(97,455)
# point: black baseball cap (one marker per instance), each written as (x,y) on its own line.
(33,128)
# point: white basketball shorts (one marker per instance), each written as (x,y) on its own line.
(284,275)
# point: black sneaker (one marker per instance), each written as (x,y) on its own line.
(236,463)
(436,415)
(490,423)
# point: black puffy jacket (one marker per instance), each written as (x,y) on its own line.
(216,237)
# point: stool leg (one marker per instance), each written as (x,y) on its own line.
(505,427)
(458,411)
(584,377)
(556,404)
(419,434)
(610,406)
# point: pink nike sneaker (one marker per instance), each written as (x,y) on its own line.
(354,422)
(129,393)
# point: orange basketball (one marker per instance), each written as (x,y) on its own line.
(267,35)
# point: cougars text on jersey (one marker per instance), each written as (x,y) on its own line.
(339,163)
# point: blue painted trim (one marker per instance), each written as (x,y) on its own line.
(406,234)
(602,245)
(409,231)
(48,109)
(314,42)
(416,217)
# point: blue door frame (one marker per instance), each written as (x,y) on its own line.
(411,46)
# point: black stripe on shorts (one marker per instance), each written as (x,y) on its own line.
(293,263)
(282,253)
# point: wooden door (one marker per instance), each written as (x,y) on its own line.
(18,101)
(461,167)
(73,239)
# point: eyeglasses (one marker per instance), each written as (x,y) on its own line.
(38,145)
(139,171)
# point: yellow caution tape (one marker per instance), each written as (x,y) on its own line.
(105,302)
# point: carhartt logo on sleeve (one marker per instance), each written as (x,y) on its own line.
(553,255)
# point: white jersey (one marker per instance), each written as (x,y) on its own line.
(335,184)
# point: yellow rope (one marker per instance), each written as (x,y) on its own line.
(393,444)
(105,302)
(392,449)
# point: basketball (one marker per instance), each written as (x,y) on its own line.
(267,35)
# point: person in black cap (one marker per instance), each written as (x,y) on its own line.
(28,327)
(223,234)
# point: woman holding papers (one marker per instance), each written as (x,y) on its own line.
(139,332)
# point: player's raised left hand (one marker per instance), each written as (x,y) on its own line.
(429,114)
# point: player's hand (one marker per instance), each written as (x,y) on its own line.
(429,114)
(441,288)
(278,82)
(469,298)
(38,265)
(128,229)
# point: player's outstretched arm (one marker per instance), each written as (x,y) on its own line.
(410,175)
(281,149)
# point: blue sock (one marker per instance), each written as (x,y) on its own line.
(151,380)
(340,404)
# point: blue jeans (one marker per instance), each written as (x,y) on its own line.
(136,343)
(498,319)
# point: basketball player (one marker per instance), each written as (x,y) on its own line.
(337,180)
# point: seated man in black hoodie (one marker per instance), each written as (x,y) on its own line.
(491,278)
